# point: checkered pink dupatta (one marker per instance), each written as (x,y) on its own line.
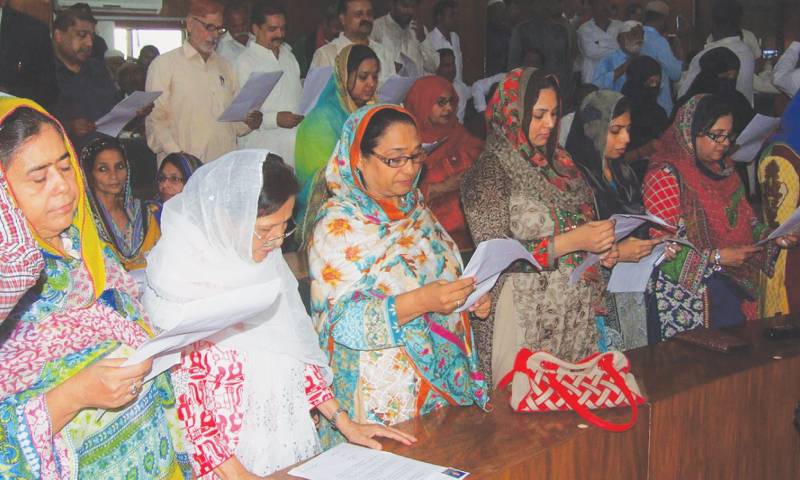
(541,382)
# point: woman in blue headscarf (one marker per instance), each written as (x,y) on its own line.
(779,176)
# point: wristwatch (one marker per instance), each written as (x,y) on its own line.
(335,417)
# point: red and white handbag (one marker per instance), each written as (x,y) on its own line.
(541,382)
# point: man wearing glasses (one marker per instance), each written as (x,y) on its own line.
(197,86)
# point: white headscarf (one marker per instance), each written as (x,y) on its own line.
(205,251)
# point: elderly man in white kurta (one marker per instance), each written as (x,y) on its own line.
(357,20)
(270,53)
(399,32)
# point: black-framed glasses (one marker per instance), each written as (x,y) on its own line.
(173,179)
(274,240)
(402,160)
(210,27)
(445,101)
(720,137)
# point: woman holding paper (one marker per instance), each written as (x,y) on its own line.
(124,222)
(245,393)
(385,281)
(779,176)
(433,101)
(690,184)
(524,187)
(597,141)
(69,409)
(353,85)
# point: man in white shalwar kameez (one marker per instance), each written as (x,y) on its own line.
(270,53)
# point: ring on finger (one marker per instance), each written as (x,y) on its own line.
(135,388)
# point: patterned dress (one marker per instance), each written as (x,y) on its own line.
(362,255)
(512,191)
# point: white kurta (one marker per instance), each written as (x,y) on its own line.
(284,98)
(595,43)
(229,49)
(325,56)
(397,39)
(436,41)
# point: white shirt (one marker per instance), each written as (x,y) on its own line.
(595,44)
(230,49)
(481,88)
(748,37)
(397,39)
(435,41)
(744,83)
(786,75)
(285,97)
(194,94)
(325,56)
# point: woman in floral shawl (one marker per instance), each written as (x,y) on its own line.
(385,281)
(690,185)
(122,220)
(68,407)
(524,187)
(352,85)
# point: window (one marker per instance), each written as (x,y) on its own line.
(130,40)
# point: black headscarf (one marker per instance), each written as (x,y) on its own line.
(586,144)
(648,118)
(712,64)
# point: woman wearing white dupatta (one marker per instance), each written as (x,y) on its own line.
(244,394)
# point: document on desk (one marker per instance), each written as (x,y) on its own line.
(791,225)
(360,463)
(114,121)
(624,226)
(251,96)
(490,259)
(316,80)
(201,319)
(395,88)
(753,137)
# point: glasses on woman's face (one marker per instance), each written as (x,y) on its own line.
(210,27)
(172,179)
(720,137)
(402,160)
(445,101)
(273,241)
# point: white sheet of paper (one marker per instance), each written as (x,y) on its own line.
(395,88)
(315,82)
(753,136)
(490,259)
(633,277)
(251,96)
(114,121)
(202,318)
(409,68)
(431,147)
(360,463)
(790,225)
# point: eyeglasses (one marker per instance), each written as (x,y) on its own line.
(210,27)
(720,137)
(401,161)
(171,179)
(445,101)
(274,240)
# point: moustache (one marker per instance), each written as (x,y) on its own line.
(278,40)
(365,23)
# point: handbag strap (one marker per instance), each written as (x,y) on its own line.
(587,414)
(520,365)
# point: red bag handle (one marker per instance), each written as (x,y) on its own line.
(587,414)
(520,365)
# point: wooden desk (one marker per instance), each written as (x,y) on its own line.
(709,416)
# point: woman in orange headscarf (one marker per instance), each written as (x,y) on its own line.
(433,102)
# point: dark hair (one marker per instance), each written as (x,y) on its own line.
(622,107)
(378,125)
(446,52)
(235,6)
(343,6)
(582,91)
(69,17)
(278,184)
(263,9)
(358,54)
(727,14)
(537,83)
(441,7)
(100,144)
(18,128)
(631,9)
(710,109)
(185,162)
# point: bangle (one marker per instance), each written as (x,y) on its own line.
(717,260)
(335,417)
